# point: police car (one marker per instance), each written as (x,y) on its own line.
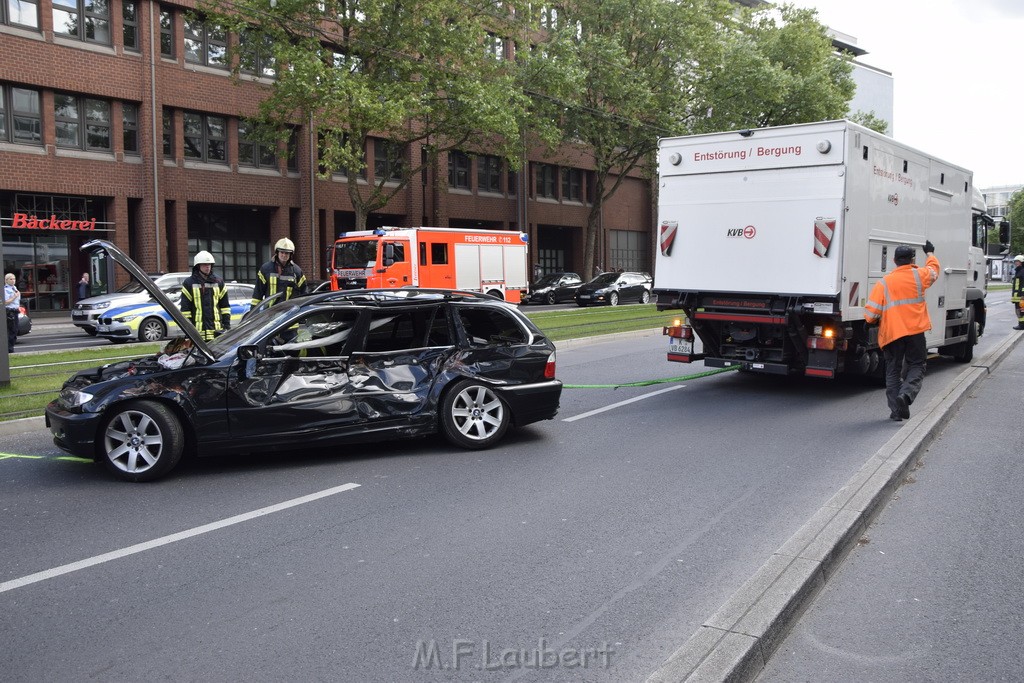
(150,322)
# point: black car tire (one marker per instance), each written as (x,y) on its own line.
(645,298)
(551,297)
(496,294)
(141,441)
(152,330)
(91,331)
(473,415)
(613,299)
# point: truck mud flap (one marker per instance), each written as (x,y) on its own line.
(752,366)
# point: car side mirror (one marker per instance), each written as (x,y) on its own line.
(249,352)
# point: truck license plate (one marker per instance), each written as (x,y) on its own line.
(681,346)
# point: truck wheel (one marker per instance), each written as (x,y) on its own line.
(496,294)
(964,351)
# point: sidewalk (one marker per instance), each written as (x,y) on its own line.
(53,321)
(932,591)
(739,640)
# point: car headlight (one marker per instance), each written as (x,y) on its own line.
(102,304)
(75,398)
(126,318)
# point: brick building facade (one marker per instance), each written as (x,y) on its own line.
(120,120)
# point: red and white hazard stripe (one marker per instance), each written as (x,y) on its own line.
(668,236)
(824,228)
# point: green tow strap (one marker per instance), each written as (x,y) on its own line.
(649,382)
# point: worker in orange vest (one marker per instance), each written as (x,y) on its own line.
(897,300)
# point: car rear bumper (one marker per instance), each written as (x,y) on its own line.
(533,402)
(73,432)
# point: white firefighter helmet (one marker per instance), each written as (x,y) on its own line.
(203,257)
(1019,257)
(285,244)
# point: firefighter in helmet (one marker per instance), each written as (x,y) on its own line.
(204,298)
(279,274)
(1017,290)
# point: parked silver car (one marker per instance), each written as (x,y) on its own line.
(85,312)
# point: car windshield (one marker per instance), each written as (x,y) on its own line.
(253,328)
(133,287)
(605,279)
(355,254)
(547,281)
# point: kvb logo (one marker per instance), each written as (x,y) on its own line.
(748,232)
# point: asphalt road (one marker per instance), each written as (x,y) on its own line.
(602,539)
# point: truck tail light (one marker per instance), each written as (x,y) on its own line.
(826,339)
(677,330)
(549,367)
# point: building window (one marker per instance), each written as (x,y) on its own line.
(549,17)
(628,250)
(488,174)
(572,184)
(129,16)
(168,119)
(82,122)
(205,44)
(166,33)
(546,181)
(387,160)
(293,149)
(87,20)
(252,152)
(19,13)
(256,55)
(458,170)
(130,123)
(205,137)
(495,46)
(20,119)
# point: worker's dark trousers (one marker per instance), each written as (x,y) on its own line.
(905,360)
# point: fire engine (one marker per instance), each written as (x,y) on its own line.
(490,261)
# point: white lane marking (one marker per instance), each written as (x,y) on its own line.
(621,403)
(164,540)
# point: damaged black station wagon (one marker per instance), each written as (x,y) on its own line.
(321,370)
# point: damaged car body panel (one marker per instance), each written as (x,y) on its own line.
(319,370)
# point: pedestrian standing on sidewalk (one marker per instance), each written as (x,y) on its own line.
(897,304)
(12,304)
(1017,290)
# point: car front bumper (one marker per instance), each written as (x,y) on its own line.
(73,432)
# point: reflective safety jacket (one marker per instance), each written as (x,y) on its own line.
(204,301)
(1017,290)
(274,278)
(898,300)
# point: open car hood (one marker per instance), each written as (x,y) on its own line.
(158,295)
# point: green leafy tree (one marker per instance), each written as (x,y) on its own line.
(426,71)
(870,120)
(632,70)
(776,66)
(1015,214)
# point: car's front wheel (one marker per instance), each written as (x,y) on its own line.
(613,299)
(645,298)
(473,416)
(142,441)
(91,331)
(551,298)
(152,330)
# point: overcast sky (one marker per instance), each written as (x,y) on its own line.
(954,63)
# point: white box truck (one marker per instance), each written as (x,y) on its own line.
(771,240)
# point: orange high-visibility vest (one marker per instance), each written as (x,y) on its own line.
(898,299)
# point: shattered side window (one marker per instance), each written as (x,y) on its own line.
(491,326)
(321,333)
(392,330)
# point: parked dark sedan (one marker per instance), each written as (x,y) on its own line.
(615,288)
(318,370)
(554,288)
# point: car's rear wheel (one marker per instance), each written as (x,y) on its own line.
(142,441)
(613,299)
(152,330)
(473,416)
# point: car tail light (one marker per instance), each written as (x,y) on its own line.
(549,368)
